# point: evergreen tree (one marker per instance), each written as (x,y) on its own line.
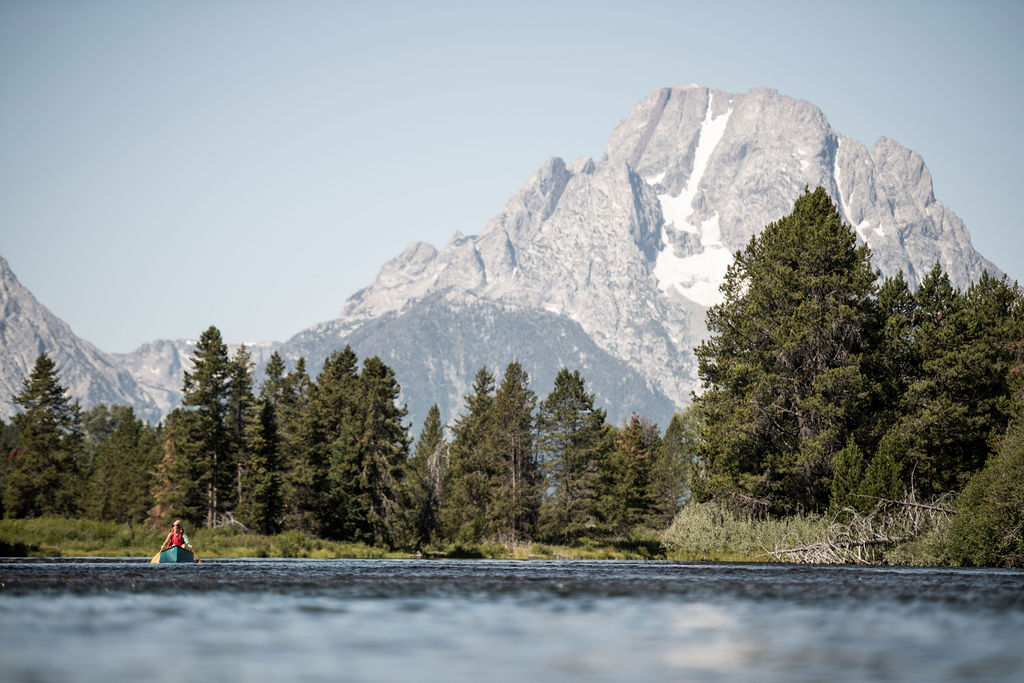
(514,501)
(846,480)
(894,359)
(783,370)
(296,437)
(670,470)
(8,442)
(882,479)
(208,444)
(468,479)
(175,492)
(425,479)
(569,442)
(98,423)
(273,386)
(120,488)
(379,450)
(44,476)
(958,397)
(241,412)
(988,528)
(628,501)
(261,504)
(322,463)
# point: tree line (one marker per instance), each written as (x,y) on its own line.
(825,388)
(331,456)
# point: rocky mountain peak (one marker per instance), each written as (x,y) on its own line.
(607,266)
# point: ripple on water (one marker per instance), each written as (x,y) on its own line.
(440,620)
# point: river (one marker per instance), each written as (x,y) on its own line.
(461,620)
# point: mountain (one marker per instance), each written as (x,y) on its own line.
(629,250)
(607,266)
(158,368)
(148,379)
(28,328)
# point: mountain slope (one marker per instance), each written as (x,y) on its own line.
(633,247)
(607,266)
(27,328)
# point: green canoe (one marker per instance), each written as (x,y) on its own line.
(177,554)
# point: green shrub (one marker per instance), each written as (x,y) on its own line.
(712,531)
(989,526)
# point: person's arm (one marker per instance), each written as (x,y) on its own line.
(167,541)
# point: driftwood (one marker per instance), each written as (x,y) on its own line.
(862,539)
(225,518)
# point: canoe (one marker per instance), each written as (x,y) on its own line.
(176,554)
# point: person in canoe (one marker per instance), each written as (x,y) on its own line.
(176,537)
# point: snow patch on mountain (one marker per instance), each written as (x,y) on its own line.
(697,276)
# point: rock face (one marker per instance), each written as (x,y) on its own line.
(27,328)
(609,266)
(632,248)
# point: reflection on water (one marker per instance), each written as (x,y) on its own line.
(379,620)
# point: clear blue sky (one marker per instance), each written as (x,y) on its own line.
(165,166)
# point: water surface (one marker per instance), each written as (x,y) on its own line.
(433,620)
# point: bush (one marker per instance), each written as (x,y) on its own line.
(712,531)
(990,514)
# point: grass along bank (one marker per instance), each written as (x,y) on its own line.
(62,537)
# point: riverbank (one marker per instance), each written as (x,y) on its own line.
(61,537)
(699,533)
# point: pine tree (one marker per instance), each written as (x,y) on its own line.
(670,470)
(425,479)
(44,476)
(882,479)
(893,359)
(241,412)
(468,480)
(322,465)
(569,442)
(273,386)
(783,370)
(628,500)
(514,501)
(261,504)
(122,479)
(380,446)
(206,390)
(296,435)
(988,528)
(847,476)
(958,396)
(175,492)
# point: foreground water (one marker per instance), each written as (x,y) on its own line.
(412,620)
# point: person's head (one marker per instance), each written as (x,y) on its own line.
(176,526)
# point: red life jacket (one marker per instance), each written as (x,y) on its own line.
(177,539)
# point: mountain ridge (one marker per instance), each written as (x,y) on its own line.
(621,256)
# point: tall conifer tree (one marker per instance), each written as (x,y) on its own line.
(206,391)
(122,478)
(379,449)
(783,368)
(515,496)
(569,441)
(628,499)
(469,477)
(44,476)
(425,480)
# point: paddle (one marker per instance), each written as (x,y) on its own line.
(156,559)
(189,544)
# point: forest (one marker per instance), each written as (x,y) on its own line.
(830,396)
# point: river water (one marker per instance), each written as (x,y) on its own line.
(437,620)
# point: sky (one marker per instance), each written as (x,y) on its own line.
(165,167)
